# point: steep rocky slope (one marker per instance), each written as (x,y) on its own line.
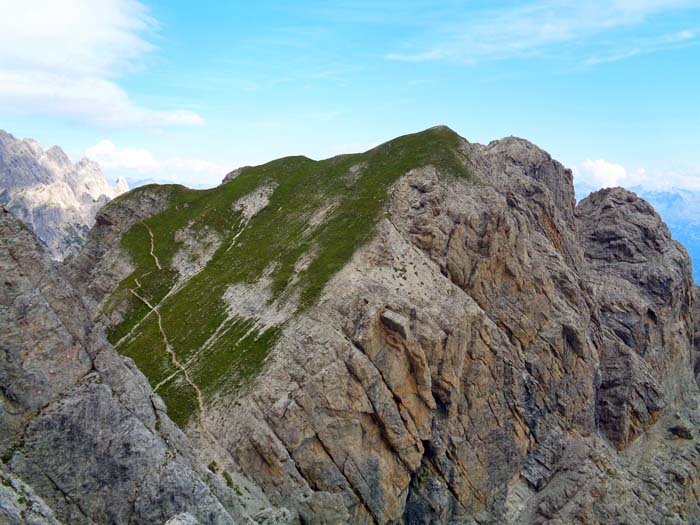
(428,332)
(50,194)
(84,439)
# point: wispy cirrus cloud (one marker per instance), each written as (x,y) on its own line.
(534,28)
(65,57)
(644,46)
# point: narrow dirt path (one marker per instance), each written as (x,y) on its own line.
(138,324)
(173,357)
(166,343)
(155,257)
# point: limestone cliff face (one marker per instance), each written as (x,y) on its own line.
(50,194)
(84,439)
(490,353)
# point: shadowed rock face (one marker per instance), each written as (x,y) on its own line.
(494,354)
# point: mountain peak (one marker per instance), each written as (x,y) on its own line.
(59,156)
(121,185)
(56,198)
(33,146)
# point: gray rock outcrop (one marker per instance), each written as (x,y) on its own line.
(54,197)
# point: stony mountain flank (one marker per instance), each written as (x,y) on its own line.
(54,197)
(84,438)
(431,332)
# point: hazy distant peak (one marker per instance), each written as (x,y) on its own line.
(56,198)
(33,146)
(121,185)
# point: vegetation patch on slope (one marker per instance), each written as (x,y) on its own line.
(221,351)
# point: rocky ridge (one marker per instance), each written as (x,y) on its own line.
(487,351)
(53,196)
(572,340)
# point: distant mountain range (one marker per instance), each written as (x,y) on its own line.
(54,197)
(680,209)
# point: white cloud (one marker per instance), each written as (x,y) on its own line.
(604,174)
(109,157)
(601,173)
(531,28)
(140,161)
(65,56)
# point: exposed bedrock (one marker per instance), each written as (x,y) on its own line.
(495,353)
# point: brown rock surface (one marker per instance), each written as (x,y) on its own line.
(492,356)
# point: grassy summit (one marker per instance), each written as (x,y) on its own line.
(319,212)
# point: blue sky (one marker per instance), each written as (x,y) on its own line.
(186,91)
